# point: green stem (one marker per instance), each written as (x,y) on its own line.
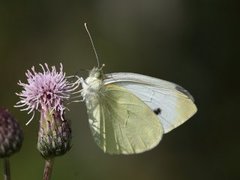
(6,166)
(48,169)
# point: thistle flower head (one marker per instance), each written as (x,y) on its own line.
(46,90)
(11,134)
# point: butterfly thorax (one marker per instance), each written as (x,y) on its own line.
(92,85)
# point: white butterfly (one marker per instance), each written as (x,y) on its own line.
(129,113)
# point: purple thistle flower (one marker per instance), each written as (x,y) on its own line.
(46,91)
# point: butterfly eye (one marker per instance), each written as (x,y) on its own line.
(99,75)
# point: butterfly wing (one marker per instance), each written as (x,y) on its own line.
(171,103)
(121,123)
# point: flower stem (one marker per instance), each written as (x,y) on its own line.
(48,169)
(6,166)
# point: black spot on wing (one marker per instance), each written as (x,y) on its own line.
(157,111)
(184,91)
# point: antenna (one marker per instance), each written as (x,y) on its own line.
(94,49)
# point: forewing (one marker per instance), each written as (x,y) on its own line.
(122,124)
(170,102)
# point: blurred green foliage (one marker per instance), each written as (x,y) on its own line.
(192,43)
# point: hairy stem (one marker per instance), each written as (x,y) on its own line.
(48,169)
(6,166)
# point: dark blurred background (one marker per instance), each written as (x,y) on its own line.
(190,42)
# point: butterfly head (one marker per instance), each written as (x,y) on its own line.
(97,73)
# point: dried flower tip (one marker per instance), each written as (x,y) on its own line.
(54,136)
(46,90)
(11,135)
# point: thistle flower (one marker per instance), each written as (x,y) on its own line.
(47,92)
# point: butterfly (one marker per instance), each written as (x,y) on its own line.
(129,113)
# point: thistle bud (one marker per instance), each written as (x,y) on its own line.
(54,135)
(11,135)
